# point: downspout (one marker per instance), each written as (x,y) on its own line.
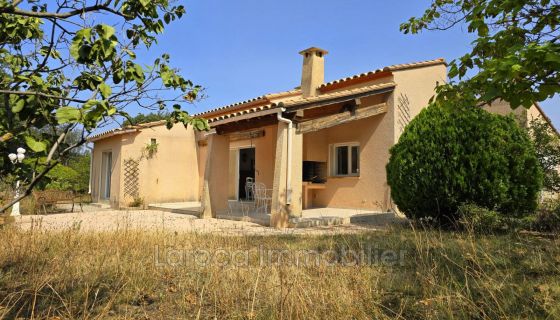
(289,160)
(90,167)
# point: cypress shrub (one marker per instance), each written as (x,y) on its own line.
(450,156)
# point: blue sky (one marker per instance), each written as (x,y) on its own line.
(245,48)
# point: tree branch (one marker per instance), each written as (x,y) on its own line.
(48,166)
(63,15)
(35,93)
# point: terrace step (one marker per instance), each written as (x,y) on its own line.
(264,220)
(177,208)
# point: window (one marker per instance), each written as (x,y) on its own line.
(345,159)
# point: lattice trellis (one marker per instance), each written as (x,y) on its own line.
(131,178)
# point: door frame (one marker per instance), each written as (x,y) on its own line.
(237,150)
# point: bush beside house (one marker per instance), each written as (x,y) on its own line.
(447,157)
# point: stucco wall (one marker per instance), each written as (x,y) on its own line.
(113,145)
(171,174)
(369,190)
(265,149)
(524,115)
(414,89)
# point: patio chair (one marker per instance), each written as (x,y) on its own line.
(263,198)
(249,189)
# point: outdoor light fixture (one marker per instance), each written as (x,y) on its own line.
(17,158)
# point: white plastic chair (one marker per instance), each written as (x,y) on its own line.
(249,188)
(263,198)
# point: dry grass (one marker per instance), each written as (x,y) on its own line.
(114,275)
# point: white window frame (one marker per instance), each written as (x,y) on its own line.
(333,159)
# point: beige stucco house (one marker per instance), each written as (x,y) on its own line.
(323,144)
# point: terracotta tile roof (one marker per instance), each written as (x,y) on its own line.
(337,94)
(258,100)
(265,99)
(110,133)
(395,67)
(242,112)
(264,102)
(124,130)
(300,100)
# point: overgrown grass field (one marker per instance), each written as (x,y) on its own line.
(410,274)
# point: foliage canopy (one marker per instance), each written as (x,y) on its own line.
(515,57)
(450,156)
(71,65)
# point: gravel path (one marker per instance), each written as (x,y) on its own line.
(113,220)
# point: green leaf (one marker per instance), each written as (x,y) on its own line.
(105,90)
(106,31)
(18,106)
(68,114)
(78,41)
(37,146)
(552,57)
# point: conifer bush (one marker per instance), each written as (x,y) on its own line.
(450,156)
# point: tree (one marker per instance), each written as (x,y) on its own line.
(62,70)
(144,118)
(516,56)
(547,147)
(447,157)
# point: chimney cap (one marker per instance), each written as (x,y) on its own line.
(314,50)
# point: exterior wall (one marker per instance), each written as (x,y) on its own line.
(503,108)
(533,113)
(264,159)
(369,190)
(113,145)
(376,135)
(414,89)
(525,116)
(171,174)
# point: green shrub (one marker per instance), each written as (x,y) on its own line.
(479,219)
(62,177)
(547,217)
(450,156)
(136,202)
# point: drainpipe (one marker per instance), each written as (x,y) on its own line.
(289,164)
(90,167)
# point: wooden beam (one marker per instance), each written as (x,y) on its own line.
(236,136)
(337,119)
(247,124)
(246,116)
(336,99)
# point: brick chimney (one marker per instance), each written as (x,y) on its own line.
(313,71)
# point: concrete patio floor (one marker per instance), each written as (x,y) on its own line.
(238,211)
(336,216)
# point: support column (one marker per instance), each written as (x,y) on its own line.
(215,189)
(281,210)
(295,208)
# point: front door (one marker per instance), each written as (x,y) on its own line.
(246,170)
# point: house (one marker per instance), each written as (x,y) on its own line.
(323,144)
